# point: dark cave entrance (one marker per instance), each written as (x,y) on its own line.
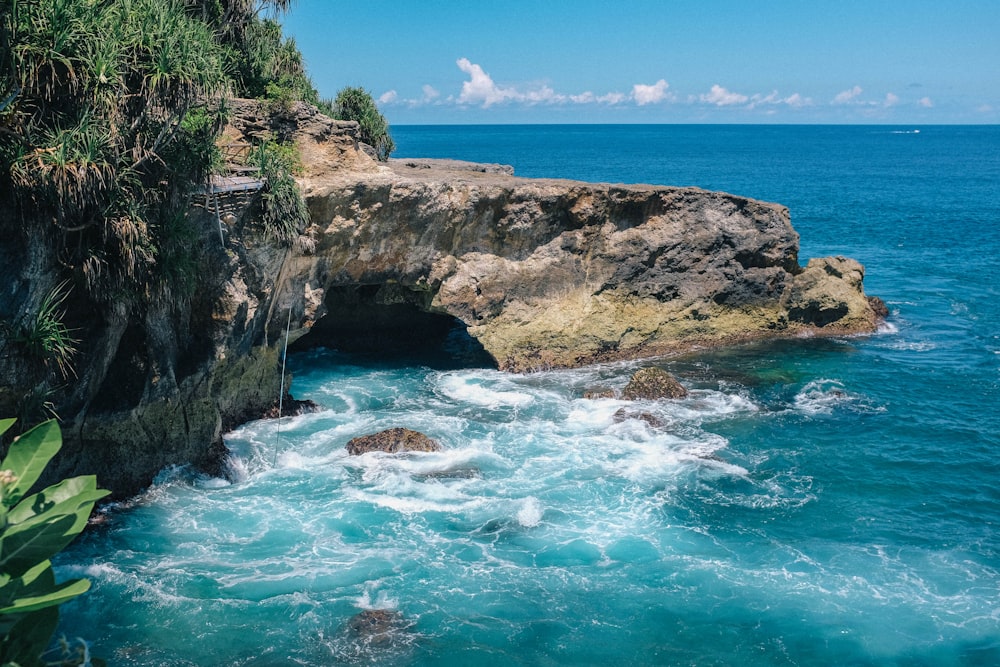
(391,323)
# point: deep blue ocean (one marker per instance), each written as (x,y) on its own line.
(812,502)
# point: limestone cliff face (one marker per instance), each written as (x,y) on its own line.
(543,273)
(550,273)
(159,383)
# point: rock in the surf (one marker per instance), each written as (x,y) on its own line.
(376,625)
(393,441)
(594,394)
(654,422)
(652,384)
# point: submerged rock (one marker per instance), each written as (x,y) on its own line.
(654,422)
(652,384)
(292,407)
(593,394)
(376,625)
(392,441)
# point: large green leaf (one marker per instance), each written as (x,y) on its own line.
(42,535)
(28,639)
(25,545)
(58,498)
(63,592)
(6,424)
(27,457)
(34,581)
(37,589)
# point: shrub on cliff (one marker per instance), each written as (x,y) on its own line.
(109,113)
(112,123)
(32,530)
(357,104)
(282,209)
(90,148)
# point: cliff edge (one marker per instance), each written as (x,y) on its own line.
(542,273)
(554,273)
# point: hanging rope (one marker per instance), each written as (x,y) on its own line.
(281,387)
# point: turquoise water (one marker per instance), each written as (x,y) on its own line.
(812,502)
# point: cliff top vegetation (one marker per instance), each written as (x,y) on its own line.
(109,115)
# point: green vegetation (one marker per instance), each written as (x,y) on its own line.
(45,337)
(109,115)
(32,530)
(117,104)
(283,211)
(93,146)
(357,104)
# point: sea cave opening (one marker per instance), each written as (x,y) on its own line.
(389,322)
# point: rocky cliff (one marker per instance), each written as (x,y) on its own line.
(543,273)
(550,273)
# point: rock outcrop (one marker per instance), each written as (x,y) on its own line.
(392,441)
(542,273)
(653,384)
(551,273)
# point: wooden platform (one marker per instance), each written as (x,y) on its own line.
(231,183)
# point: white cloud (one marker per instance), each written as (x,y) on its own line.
(645,94)
(984,108)
(721,97)
(891,100)
(481,89)
(589,97)
(925,102)
(846,96)
(794,100)
(797,101)
(388,97)
(543,95)
(430,93)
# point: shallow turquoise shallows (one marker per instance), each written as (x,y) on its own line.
(811,502)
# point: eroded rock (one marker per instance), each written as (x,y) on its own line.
(654,422)
(653,384)
(376,625)
(392,441)
(549,273)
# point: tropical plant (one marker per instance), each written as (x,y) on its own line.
(283,211)
(357,104)
(89,149)
(33,528)
(46,337)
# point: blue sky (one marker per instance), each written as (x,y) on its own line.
(708,61)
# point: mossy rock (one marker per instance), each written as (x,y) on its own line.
(652,384)
(597,393)
(392,441)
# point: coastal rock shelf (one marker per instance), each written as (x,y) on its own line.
(553,273)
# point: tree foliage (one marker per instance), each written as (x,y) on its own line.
(357,104)
(105,89)
(115,107)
